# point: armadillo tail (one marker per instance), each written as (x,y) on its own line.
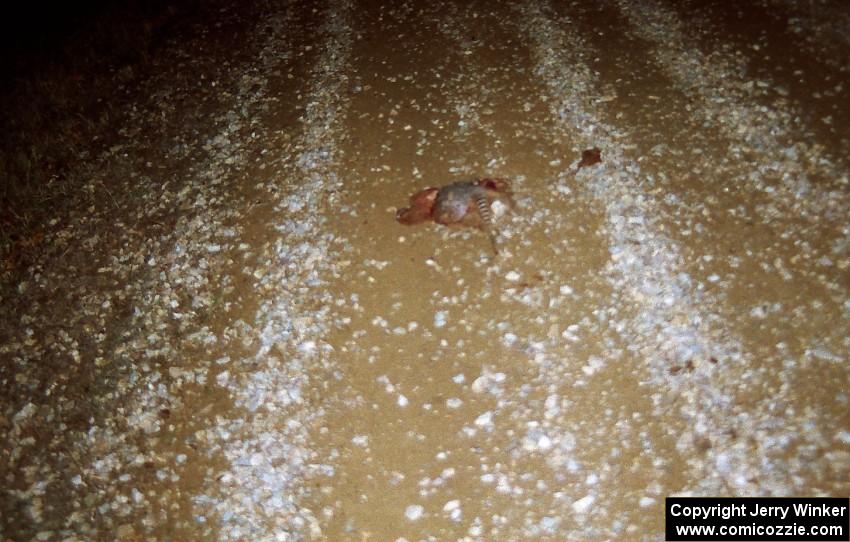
(486,214)
(484,210)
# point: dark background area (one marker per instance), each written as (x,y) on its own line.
(34,35)
(65,71)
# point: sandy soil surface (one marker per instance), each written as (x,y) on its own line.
(232,338)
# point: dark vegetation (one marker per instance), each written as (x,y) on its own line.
(66,74)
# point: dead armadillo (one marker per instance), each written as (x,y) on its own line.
(465,203)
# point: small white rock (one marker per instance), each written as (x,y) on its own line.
(307,347)
(499,209)
(454,402)
(582,505)
(440,319)
(484,419)
(413,512)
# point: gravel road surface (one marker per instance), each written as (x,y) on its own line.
(232,339)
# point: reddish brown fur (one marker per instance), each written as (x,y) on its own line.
(421,207)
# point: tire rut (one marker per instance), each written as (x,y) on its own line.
(433,413)
(776,324)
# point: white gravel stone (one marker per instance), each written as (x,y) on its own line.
(454,402)
(582,505)
(485,420)
(414,512)
(440,319)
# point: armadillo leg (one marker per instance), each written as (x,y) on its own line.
(493,243)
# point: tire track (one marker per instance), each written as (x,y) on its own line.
(789,69)
(470,92)
(463,377)
(572,369)
(666,328)
(270,458)
(768,139)
(769,283)
(205,240)
(761,131)
(392,420)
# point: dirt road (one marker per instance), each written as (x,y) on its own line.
(234,339)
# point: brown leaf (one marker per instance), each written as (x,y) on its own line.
(590,157)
